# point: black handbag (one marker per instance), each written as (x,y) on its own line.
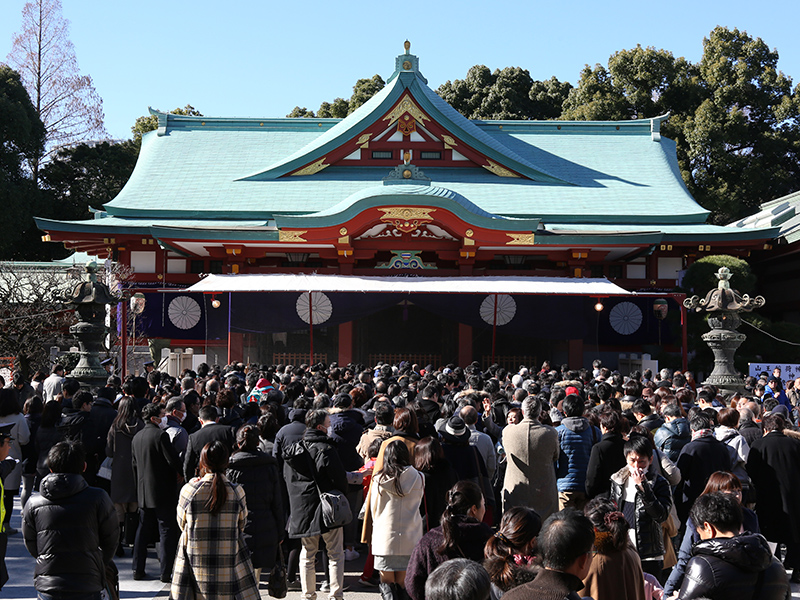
(336,511)
(278,586)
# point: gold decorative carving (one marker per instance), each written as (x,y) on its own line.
(291,236)
(363,141)
(449,142)
(407,218)
(407,65)
(407,174)
(498,170)
(520,239)
(407,105)
(312,168)
(343,231)
(469,233)
(344,240)
(469,242)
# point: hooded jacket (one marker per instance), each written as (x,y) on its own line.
(737,568)
(72,531)
(575,439)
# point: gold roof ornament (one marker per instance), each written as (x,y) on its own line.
(407,46)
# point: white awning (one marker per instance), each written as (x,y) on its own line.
(557,286)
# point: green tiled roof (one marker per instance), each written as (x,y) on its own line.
(225,174)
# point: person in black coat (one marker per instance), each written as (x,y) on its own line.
(211,431)
(157,470)
(71,529)
(607,457)
(772,466)
(258,474)
(697,461)
(311,466)
(439,476)
(727,564)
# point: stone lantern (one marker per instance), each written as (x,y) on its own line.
(723,306)
(90,299)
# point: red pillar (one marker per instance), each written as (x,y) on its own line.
(575,354)
(346,343)
(464,344)
(235,347)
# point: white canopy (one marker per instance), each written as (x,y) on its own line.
(559,286)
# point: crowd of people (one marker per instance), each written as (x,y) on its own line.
(457,482)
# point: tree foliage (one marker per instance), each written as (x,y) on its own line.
(363,90)
(65,100)
(88,175)
(734,116)
(147,123)
(700,277)
(508,93)
(34,313)
(22,137)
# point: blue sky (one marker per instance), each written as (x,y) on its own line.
(247,58)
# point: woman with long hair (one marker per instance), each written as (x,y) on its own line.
(257,473)
(395,495)
(212,559)
(126,424)
(406,430)
(511,552)
(462,534)
(719,481)
(440,477)
(616,570)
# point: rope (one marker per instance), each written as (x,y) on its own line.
(770,335)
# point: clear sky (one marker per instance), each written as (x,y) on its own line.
(246,58)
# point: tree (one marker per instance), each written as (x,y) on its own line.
(508,93)
(363,90)
(34,313)
(66,101)
(700,277)
(22,135)
(88,175)
(147,123)
(734,116)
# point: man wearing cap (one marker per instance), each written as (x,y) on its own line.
(108,365)
(6,466)
(149,366)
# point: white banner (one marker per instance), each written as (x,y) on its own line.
(788,371)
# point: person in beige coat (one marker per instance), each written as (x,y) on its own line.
(395,497)
(532,451)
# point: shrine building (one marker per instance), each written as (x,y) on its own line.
(234,229)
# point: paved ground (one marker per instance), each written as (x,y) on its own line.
(20,568)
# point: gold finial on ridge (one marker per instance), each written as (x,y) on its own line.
(407,46)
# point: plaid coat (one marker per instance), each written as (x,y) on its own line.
(212,559)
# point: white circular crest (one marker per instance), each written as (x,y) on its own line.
(506,309)
(625,318)
(184,312)
(320,311)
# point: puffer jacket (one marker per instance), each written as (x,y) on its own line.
(653,502)
(575,439)
(673,436)
(737,568)
(72,531)
(258,474)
